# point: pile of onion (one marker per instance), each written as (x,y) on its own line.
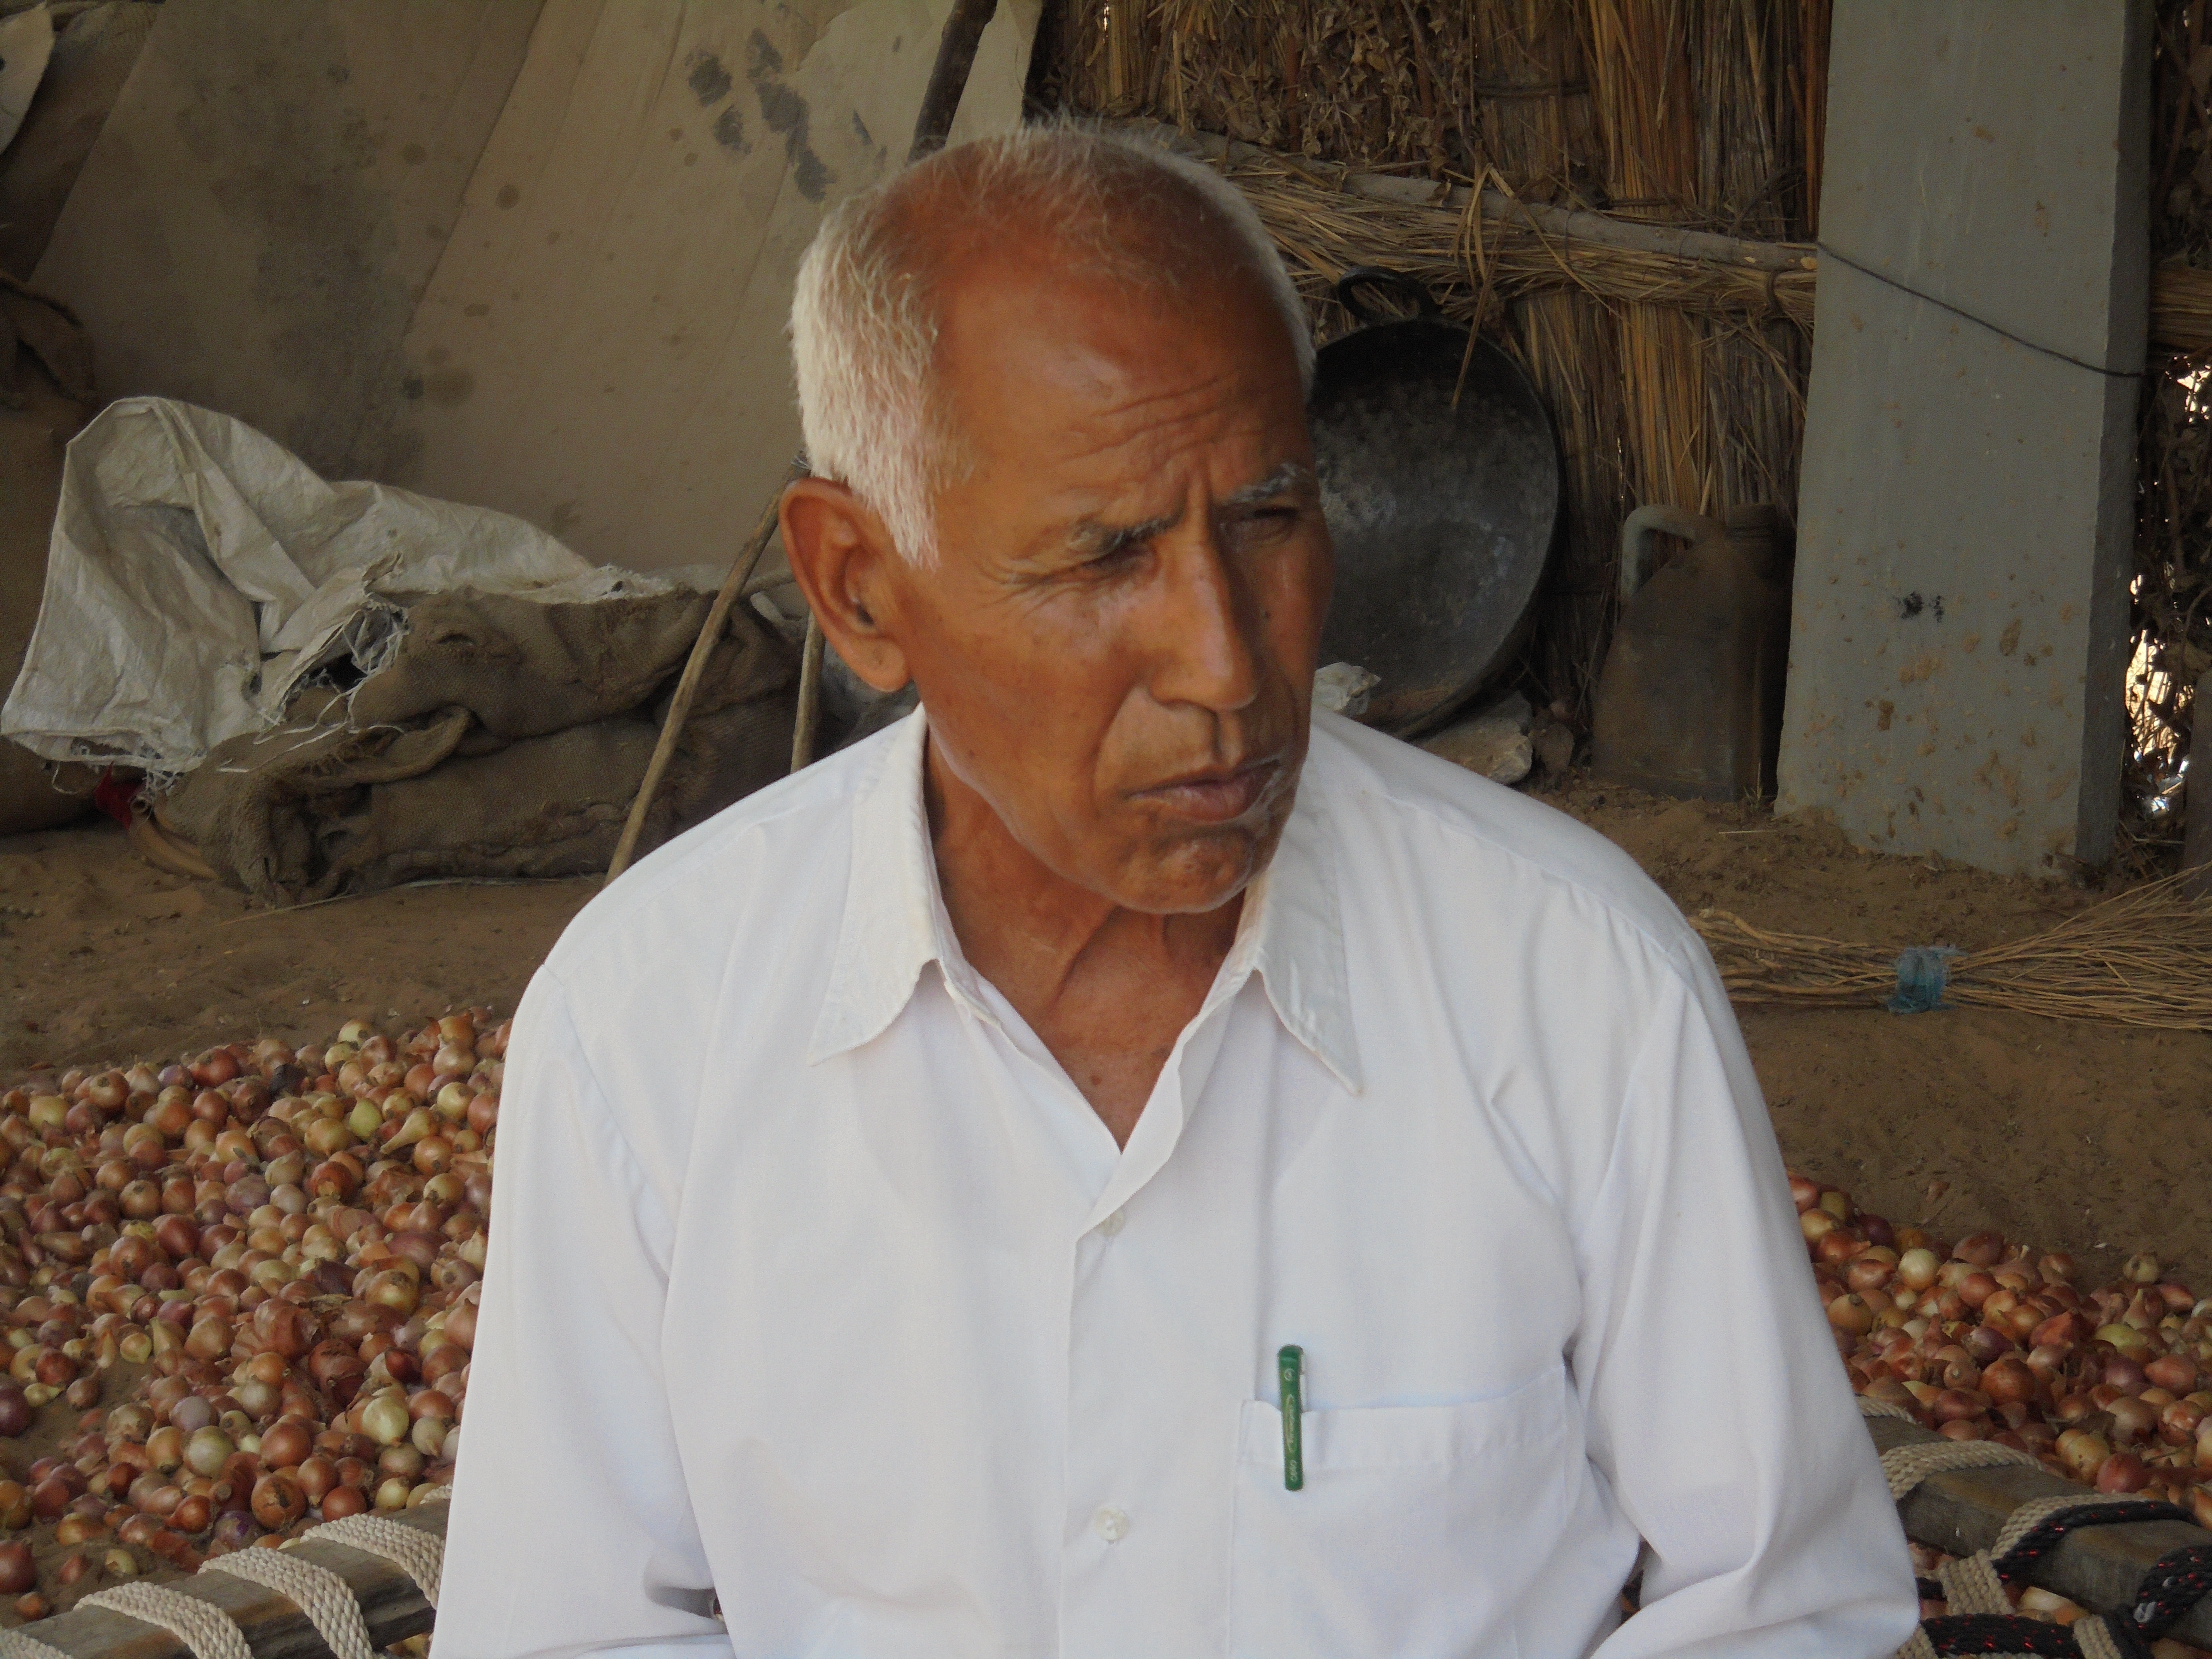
(240,1289)
(1983,1339)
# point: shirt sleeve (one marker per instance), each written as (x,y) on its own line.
(570,1529)
(1715,1402)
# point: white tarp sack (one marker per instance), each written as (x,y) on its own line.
(27,42)
(199,573)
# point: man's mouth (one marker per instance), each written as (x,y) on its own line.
(1220,794)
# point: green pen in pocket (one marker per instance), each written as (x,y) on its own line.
(1288,1365)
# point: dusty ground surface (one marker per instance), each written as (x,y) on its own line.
(2087,1138)
(101,955)
(2092,1139)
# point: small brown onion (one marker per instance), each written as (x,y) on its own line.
(137,1529)
(1952,1404)
(2177,1423)
(342,1501)
(385,1419)
(278,1501)
(318,1476)
(1850,1313)
(18,1570)
(1916,1269)
(2174,1372)
(2009,1379)
(286,1444)
(2133,1418)
(1980,1249)
(2082,1453)
(207,1452)
(2121,1472)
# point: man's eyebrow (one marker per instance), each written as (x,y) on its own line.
(1095,540)
(1282,481)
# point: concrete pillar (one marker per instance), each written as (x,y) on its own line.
(1966,503)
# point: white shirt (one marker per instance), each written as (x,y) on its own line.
(815,1284)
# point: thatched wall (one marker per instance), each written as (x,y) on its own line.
(1704,114)
(2174,524)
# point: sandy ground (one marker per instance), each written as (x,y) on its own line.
(2085,1138)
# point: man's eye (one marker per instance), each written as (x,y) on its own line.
(1263,526)
(1115,554)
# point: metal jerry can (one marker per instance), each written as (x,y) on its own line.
(1690,702)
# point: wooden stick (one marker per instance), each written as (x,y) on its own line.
(806,729)
(2099,1567)
(274,1628)
(940,102)
(948,77)
(679,706)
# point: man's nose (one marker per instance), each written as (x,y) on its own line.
(1206,633)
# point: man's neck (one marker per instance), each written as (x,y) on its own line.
(1106,988)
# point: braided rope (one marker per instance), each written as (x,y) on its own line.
(1869,1407)
(2097,1641)
(21,1644)
(206,1630)
(420,1555)
(2176,1581)
(1906,1466)
(1982,1621)
(1970,1584)
(2037,1512)
(1999,1636)
(322,1595)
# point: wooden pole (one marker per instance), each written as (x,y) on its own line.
(940,102)
(679,706)
(274,1626)
(1961,1512)
(805,730)
(2099,1567)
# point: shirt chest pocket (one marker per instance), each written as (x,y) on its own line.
(1416,1532)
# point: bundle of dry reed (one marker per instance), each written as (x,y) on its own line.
(2181,308)
(1467,245)
(2142,958)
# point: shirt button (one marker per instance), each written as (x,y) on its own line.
(1110,1524)
(1111,1226)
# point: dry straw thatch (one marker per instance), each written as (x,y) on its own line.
(1670,382)
(2144,958)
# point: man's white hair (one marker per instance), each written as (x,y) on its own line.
(864,318)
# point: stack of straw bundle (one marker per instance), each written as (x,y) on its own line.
(1670,380)
(2142,958)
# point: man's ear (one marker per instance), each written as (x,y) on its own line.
(846,566)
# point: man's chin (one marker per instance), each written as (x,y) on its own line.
(1198,872)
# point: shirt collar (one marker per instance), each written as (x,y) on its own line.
(895,923)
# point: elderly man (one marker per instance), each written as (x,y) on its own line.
(1119,1166)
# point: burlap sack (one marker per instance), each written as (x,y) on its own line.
(505,739)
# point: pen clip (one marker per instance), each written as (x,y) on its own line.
(1289,1366)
